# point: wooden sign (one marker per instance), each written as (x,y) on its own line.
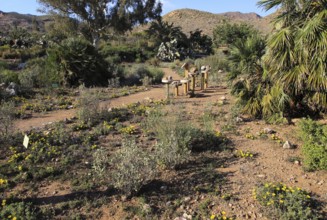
(26,141)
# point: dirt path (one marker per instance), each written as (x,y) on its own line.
(42,119)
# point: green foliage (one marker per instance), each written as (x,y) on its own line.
(314,149)
(132,168)
(39,73)
(18,210)
(247,75)
(7,115)
(80,63)
(296,53)
(122,53)
(227,34)
(138,73)
(89,110)
(8,76)
(284,202)
(200,43)
(100,15)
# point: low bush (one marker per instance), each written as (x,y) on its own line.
(18,210)
(8,76)
(284,202)
(7,115)
(132,168)
(314,149)
(89,110)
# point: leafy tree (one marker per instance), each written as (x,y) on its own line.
(227,34)
(296,55)
(98,15)
(200,42)
(164,32)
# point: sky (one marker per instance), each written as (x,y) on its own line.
(213,6)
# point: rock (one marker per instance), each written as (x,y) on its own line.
(297,162)
(288,145)
(261,176)
(187,199)
(163,188)
(185,215)
(223,98)
(268,131)
(147,208)
(321,182)
(180,218)
(239,119)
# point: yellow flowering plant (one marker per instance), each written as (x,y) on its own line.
(287,200)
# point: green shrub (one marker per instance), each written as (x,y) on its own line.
(132,168)
(18,210)
(140,73)
(173,150)
(285,203)
(40,73)
(80,63)
(89,110)
(314,149)
(7,76)
(7,115)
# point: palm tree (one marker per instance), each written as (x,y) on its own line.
(296,57)
(248,83)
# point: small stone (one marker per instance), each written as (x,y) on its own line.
(297,162)
(163,188)
(321,182)
(180,218)
(268,131)
(261,176)
(146,208)
(187,199)
(168,203)
(185,215)
(239,119)
(288,145)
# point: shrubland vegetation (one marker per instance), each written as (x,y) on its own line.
(125,151)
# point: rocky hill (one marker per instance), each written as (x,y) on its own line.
(187,19)
(26,21)
(190,20)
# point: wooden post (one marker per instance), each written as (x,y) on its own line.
(167,82)
(202,81)
(176,90)
(205,80)
(167,85)
(185,83)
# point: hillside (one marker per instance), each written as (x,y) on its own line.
(26,21)
(190,19)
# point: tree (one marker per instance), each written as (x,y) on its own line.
(98,15)
(296,53)
(200,43)
(247,74)
(164,32)
(227,34)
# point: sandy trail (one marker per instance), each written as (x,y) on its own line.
(42,119)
